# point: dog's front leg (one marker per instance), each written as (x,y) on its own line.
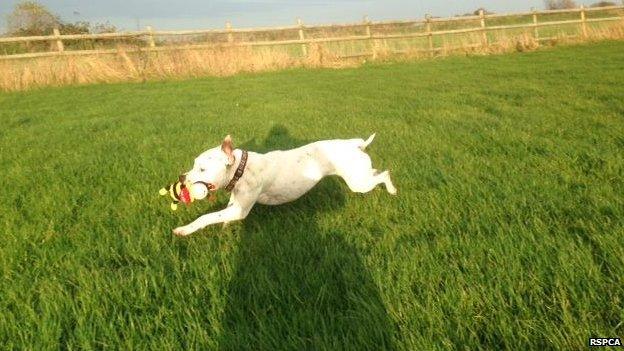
(238,208)
(231,213)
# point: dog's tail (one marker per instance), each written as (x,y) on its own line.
(368,141)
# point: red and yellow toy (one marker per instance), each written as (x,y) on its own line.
(185,193)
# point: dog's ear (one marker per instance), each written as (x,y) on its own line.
(228,149)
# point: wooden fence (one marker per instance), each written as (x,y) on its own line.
(424,26)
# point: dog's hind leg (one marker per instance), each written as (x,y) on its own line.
(365,182)
(385,178)
(356,168)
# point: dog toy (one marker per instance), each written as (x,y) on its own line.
(178,193)
(185,193)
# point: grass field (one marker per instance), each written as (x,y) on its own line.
(507,233)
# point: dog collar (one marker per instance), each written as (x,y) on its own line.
(239,172)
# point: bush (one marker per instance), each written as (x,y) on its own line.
(560,4)
(603,4)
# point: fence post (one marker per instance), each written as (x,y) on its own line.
(59,42)
(583,22)
(370,35)
(304,48)
(535,29)
(429,35)
(228,28)
(484,38)
(150,37)
(368,28)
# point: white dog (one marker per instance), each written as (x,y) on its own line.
(278,177)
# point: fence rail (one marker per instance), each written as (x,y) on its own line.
(147,36)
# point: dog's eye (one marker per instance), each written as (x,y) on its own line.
(202,170)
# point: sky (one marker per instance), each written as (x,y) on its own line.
(200,14)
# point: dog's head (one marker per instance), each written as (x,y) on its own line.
(211,167)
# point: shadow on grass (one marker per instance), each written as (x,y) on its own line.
(297,286)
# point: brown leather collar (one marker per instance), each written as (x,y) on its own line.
(239,172)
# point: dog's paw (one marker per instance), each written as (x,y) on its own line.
(391,189)
(182,231)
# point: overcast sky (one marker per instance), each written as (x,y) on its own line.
(195,14)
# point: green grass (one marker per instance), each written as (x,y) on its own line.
(508,230)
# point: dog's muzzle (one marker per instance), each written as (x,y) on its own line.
(209,186)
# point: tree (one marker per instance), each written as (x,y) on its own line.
(31,18)
(560,4)
(603,4)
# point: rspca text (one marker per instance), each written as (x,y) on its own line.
(604,342)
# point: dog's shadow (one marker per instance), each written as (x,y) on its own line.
(298,286)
